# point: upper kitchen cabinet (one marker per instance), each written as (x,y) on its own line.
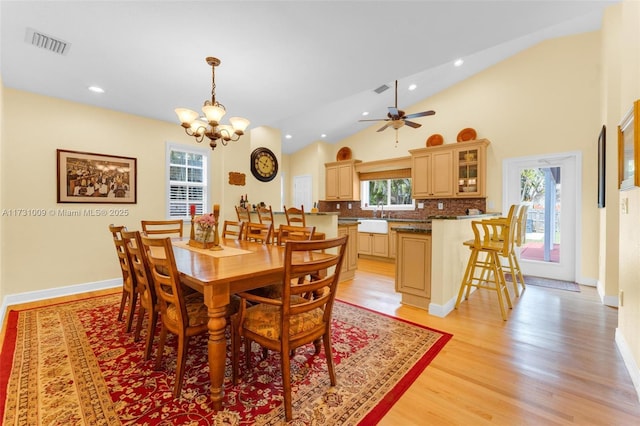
(450,170)
(470,168)
(342,182)
(431,173)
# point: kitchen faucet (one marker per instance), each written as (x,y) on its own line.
(381,209)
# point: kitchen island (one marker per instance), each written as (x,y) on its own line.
(431,261)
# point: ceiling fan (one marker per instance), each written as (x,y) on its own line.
(396,118)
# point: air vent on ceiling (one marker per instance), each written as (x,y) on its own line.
(381,89)
(43,41)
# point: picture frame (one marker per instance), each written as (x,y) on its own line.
(629,148)
(602,164)
(87,177)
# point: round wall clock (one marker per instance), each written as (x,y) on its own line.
(264,164)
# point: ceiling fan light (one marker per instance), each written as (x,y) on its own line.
(214,113)
(239,124)
(186,116)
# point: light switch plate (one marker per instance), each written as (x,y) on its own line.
(349,206)
(421,205)
(338,206)
(440,206)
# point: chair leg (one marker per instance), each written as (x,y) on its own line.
(132,309)
(466,277)
(123,302)
(235,349)
(183,343)
(519,271)
(286,381)
(247,352)
(328,354)
(496,271)
(151,328)
(163,338)
(136,333)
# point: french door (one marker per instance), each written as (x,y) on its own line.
(550,185)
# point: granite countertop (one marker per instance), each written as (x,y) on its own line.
(306,213)
(417,229)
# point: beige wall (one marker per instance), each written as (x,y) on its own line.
(543,100)
(622,26)
(53,251)
(2,129)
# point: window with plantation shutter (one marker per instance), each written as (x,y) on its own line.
(187,180)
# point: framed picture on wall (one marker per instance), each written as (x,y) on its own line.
(85,177)
(602,162)
(629,148)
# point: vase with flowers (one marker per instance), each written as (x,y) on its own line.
(204,236)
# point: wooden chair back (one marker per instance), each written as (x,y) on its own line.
(244,215)
(165,228)
(259,232)
(184,316)
(265,214)
(295,233)
(295,216)
(521,226)
(232,228)
(288,330)
(128,278)
(144,284)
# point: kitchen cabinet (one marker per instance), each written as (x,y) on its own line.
(373,244)
(432,174)
(393,235)
(342,182)
(413,268)
(350,261)
(449,170)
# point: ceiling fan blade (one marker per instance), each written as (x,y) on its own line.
(412,124)
(383,127)
(393,111)
(420,114)
(376,119)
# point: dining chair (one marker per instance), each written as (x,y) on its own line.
(258,232)
(519,240)
(485,269)
(243,213)
(295,216)
(292,321)
(129,292)
(265,216)
(163,227)
(295,233)
(148,300)
(183,315)
(232,228)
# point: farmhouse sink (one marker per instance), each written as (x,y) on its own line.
(374,226)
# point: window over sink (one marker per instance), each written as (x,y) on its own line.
(388,194)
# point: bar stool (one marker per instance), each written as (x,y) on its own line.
(492,240)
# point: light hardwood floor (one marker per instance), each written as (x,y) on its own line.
(554,362)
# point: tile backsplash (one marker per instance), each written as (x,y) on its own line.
(451,207)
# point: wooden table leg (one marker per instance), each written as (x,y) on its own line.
(216,346)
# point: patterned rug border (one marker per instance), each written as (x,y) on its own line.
(394,394)
(374,416)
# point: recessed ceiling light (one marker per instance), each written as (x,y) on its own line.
(323,135)
(365,113)
(288,136)
(412,87)
(458,62)
(96,89)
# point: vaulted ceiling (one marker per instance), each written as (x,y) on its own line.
(308,68)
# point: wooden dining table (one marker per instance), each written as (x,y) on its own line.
(246,265)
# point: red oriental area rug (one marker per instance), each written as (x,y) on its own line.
(72,363)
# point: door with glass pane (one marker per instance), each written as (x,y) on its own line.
(548,186)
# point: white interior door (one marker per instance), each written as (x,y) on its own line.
(550,184)
(302,192)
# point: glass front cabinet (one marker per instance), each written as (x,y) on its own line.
(463,176)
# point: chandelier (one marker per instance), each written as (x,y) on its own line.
(196,126)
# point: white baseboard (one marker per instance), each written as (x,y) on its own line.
(33,296)
(629,361)
(442,310)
